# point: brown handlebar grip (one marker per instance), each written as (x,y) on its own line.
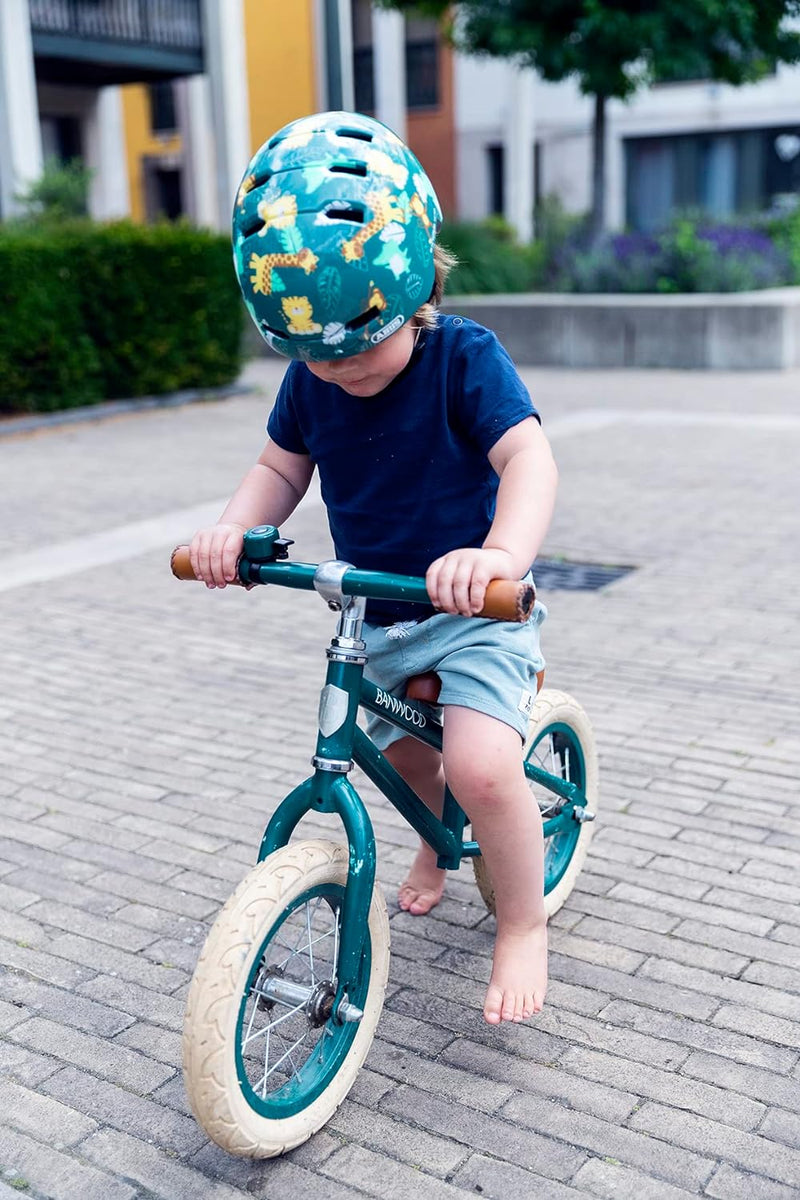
(181,564)
(507,600)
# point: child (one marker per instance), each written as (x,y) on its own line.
(432,462)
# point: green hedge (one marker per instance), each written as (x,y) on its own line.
(99,312)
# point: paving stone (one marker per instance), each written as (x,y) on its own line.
(138,1001)
(32,1113)
(441,1078)
(153,1169)
(74,1010)
(765,1086)
(758,1154)
(739,991)
(782,1126)
(620,1142)
(730,1184)
(701,1036)
(486,1134)
(665,946)
(41,965)
(671,1087)
(499,1180)
(121,1108)
(544,1080)
(109,1059)
(75,920)
(762,1025)
(609,1179)
(379,1176)
(44,1170)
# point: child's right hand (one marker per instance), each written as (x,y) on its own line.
(214,553)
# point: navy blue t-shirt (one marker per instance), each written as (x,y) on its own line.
(404,474)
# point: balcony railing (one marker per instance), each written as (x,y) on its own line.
(174,23)
(119,38)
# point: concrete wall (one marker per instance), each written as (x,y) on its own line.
(743,331)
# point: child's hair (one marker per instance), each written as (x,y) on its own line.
(443,263)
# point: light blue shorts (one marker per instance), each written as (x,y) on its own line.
(488,666)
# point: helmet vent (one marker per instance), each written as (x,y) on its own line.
(248,228)
(345,212)
(364,318)
(349,168)
(363,135)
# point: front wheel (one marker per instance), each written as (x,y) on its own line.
(265,1060)
(561,741)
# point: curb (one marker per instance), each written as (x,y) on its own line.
(112,408)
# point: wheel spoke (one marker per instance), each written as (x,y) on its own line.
(296,953)
(286,1054)
(310,944)
(271,1025)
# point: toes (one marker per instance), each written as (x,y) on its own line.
(492,1007)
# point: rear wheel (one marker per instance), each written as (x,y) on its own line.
(560,741)
(266,1062)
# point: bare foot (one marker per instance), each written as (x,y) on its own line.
(519,976)
(422,889)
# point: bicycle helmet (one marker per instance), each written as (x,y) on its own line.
(333,234)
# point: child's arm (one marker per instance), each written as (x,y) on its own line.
(525,499)
(269,492)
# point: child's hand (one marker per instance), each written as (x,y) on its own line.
(215,552)
(457,581)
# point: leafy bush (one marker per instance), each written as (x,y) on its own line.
(490,259)
(692,254)
(92,312)
(47,358)
(689,256)
(62,191)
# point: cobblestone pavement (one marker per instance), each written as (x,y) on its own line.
(148,729)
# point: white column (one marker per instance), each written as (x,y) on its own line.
(199,170)
(346,55)
(109,195)
(389,68)
(224,45)
(321,102)
(518,155)
(20,134)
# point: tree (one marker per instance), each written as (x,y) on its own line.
(62,191)
(614,47)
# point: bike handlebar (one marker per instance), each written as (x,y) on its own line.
(506,599)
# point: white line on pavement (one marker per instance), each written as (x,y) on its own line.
(108,546)
(126,541)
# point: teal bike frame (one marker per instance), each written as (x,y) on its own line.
(341,743)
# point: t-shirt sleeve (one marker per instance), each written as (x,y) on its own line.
(490,396)
(283,423)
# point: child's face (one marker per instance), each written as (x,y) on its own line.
(368,373)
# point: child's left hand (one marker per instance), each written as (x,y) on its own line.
(457,581)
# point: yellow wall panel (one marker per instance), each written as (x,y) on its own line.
(141,142)
(280,64)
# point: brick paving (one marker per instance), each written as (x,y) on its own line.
(149,728)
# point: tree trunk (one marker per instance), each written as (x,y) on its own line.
(597,218)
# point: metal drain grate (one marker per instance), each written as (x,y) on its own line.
(557,574)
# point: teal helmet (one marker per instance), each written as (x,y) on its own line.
(333,234)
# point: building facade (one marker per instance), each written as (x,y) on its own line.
(694,145)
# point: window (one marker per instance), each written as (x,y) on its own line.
(726,173)
(162,107)
(422,64)
(494,156)
(363,79)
